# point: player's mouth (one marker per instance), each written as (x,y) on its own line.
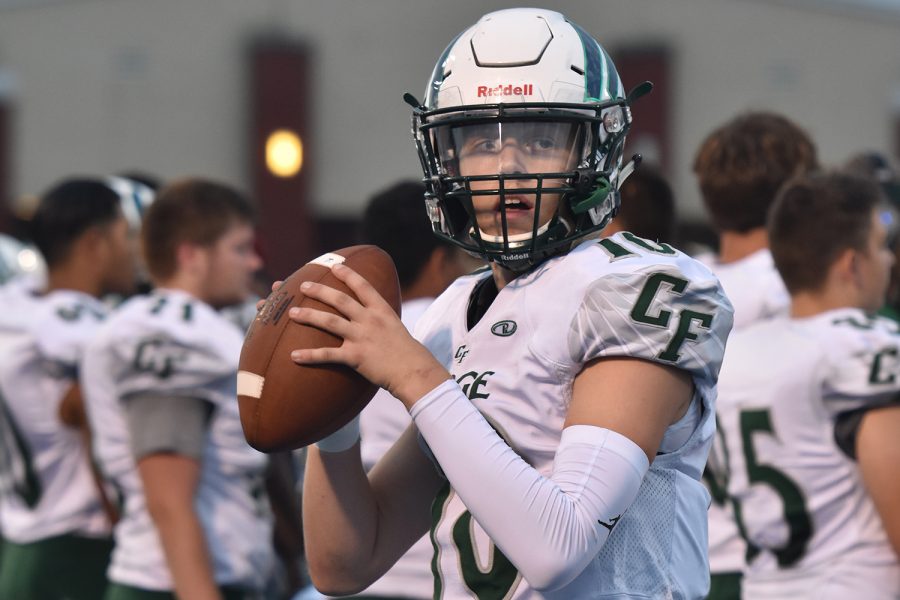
(514,204)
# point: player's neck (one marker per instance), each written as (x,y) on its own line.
(74,278)
(183,282)
(810,304)
(735,245)
(502,276)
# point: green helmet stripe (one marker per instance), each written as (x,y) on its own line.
(615,88)
(595,77)
(601,81)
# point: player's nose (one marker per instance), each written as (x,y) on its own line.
(510,159)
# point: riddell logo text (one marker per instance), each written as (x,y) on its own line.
(505,90)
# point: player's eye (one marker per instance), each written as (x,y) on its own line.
(541,144)
(486,145)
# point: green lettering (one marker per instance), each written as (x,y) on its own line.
(683,333)
(648,245)
(614,250)
(875,374)
(640,312)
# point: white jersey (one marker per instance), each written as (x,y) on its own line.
(801,501)
(171,343)
(381,423)
(49,488)
(620,296)
(757,293)
(753,285)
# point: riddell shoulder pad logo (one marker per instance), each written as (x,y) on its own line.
(486,91)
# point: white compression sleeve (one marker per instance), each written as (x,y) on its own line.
(550,528)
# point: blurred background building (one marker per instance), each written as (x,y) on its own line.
(299,102)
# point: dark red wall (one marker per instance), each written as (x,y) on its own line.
(280,99)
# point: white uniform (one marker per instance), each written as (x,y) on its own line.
(621,296)
(753,285)
(757,293)
(813,530)
(171,343)
(50,489)
(380,424)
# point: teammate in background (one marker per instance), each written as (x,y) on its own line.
(160,388)
(396,222)
(52,506)
(648,207)
(809,406)
(136,193)
(740,167)
(877,168)
(570,439)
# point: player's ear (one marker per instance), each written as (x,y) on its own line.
(849,266)
(94,241)
(191,258)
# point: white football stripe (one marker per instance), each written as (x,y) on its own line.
(328,260)
(250,384)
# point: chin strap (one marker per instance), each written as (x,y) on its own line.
(516,240)
(600,188)
(593,189)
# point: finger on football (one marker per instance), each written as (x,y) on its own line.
(315,356)
(336,299)
(364,290)
(326,321)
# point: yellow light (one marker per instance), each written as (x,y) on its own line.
(284,153)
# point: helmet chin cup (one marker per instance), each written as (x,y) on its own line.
(596,193)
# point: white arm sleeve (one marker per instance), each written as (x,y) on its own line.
(550,528)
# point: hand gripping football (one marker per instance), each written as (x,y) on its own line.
(284,405)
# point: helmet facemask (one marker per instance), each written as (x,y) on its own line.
(516,184)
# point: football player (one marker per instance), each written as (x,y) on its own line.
(877,168)
(808,405)
(53,507)
(395,222)
(564,398)
(160,382)
(740,166)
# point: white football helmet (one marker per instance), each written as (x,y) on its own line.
(532,78)
(17,258)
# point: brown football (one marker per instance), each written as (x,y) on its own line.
(284,405)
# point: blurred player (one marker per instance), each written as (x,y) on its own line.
(740,167)
(570,438)
(808,406)
(877,168)
(648,207)
(160,388)
(395,220)
(52,508)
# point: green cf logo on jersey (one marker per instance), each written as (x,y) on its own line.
(686,318)
(472,382)
(154,356)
